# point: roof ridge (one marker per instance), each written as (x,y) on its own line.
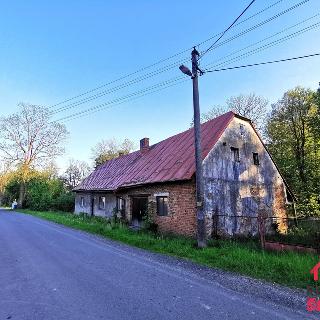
(158,163)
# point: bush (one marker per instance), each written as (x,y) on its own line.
(11,192)
(64,202)
(42,193)
(309,207)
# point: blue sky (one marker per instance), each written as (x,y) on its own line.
(54,50)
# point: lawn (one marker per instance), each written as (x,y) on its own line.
(246,258)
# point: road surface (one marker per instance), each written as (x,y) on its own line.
(49,272)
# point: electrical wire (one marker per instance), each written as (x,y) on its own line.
(269,37)
(167,68)
(226,30)
(264,63)
(259,25)
(242,21)
(170,82)
(264,47)
(143,92)
(162,60)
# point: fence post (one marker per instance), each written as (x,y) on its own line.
(262,230)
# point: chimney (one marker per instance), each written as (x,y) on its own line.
(144,145)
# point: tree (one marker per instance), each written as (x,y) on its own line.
(5,177)
(250,106)
(109,149)
(28,140)
(76,171)
(293,142)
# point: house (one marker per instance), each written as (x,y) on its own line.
(240,178)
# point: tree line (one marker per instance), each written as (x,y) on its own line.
(29,144)
(291,132)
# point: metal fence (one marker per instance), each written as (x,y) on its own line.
(286,230)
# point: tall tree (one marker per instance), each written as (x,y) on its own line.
(250,106)
(76,171)
(28,140)
(109,149)
(292,140)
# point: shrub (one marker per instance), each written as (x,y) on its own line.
(309,207)
(64,202)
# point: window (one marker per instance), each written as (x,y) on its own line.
(235,154)
(162,206)
(256,158)
(82,202)
(242,129)
(121,205)
(102,203)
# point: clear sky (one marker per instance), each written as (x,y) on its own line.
(53,50)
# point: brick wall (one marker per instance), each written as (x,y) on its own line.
(181,199)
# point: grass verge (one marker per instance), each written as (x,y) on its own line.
(246,258)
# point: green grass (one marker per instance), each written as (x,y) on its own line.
(287,268)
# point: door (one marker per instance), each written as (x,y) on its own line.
(139,209)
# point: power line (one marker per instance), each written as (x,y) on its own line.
(167,68)
(242,21)
(81,114)
(264,47)
(119,87)
(263,63)
(154,88)
(121,78)
(162,60)
(231,25)
(260,24)
(271,36)
(163,85)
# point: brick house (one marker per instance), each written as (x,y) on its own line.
(239,174)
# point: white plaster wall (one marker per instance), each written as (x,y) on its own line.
(106,212)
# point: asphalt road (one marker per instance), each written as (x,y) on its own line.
(49,272)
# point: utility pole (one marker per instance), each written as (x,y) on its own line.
(201,225)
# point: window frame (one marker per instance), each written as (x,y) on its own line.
(102,201)
(82,202)
(255,157)
(162,208)
(121,204)
(235,154)
(242,130)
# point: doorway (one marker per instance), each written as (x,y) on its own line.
(139,209)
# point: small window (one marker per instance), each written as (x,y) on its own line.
(162,206)
(102,203)
(242,129)
(82,202)
(121,204)
(256,158)
(235,154)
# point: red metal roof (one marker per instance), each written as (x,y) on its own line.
(169,160)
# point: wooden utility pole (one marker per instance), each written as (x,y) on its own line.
(201,225)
